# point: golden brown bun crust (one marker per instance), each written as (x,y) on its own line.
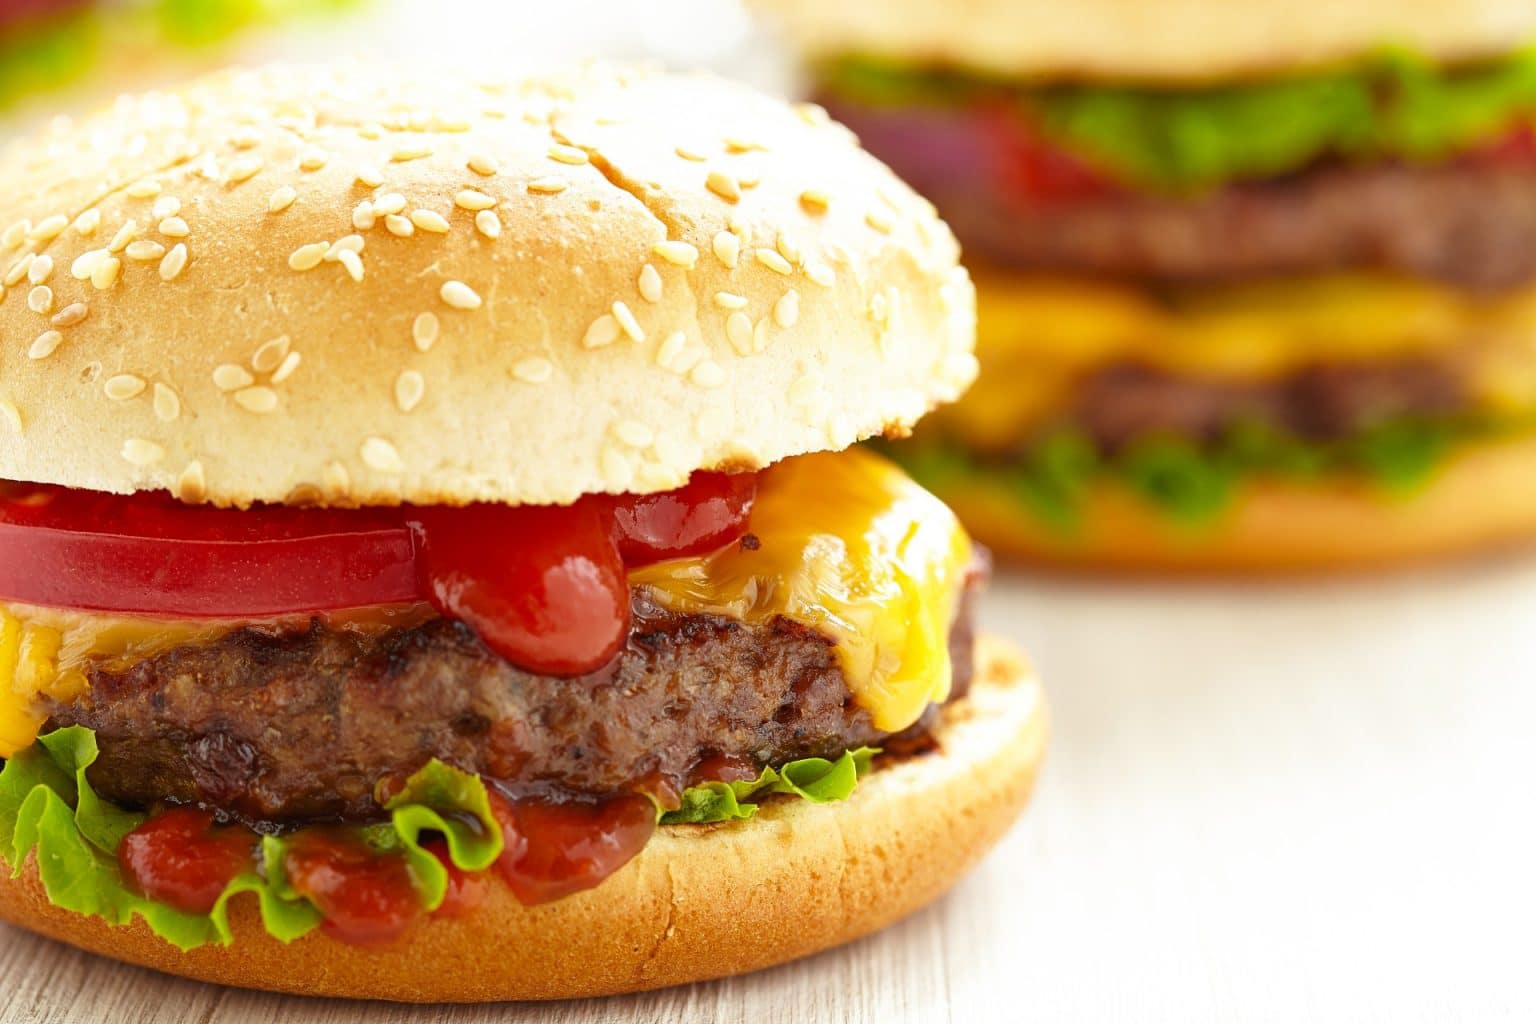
(1481,499)
(1169,40)
(699,902)
(230,347)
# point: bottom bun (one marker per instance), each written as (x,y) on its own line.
(701,901)
(1483,497)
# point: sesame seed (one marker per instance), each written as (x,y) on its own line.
(281,198)
(633,433)
(379,454)
(285,368)
(41,269)
(691,153)
(86,262)
(459,295)
(141,452)
(363,217)
(70,315)
(174,227)
(409,387)
(567,154)
(482,165)
(670,348)
(547,185)
(727,248)
(43,345)
(125,234)
(40,300)
(388,203)
(400,226)
(680,253)
(174,262)
(166,403)
(165,206)
(724,186)
(353,264)
(257,399)
(430,220)
(144,188)
(616,469)
(760,336)
(813,114)
(602,331)
(787,248)
(627,322)
(488,224)
(424,331)
(533,369)
(751,180)
(11,413)
(17,233)
(232,377)
(192,485)
(312,159)
(308,257)
(773,261)
(786,312)
(730,300)
(815,200)
(144,250)
(19,269)
(369,177)
(124,386)
(738,331)
(473,199)
(649,284)
(48,228)
(242,169)
(707,374)
(346,243)
(87,223)
(405,154)
(245,138)
(269,353)
(821,274)
(879,221)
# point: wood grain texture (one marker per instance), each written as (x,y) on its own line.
(1289,804)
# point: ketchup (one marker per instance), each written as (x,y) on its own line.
(544,586)
(465,891)
(556,848)
(181,858)
(365,898)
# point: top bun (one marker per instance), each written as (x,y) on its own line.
(1171,40)
(350,286)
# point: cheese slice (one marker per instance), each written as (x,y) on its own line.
(1038,334)
(847,545)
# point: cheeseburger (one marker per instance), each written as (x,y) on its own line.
(1256,279)
(432,563)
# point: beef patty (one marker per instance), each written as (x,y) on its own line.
(279,727)
(1467,223)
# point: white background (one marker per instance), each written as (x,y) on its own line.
(1288,803)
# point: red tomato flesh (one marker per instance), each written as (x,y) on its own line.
(365,898)
(181,858)
(555,849)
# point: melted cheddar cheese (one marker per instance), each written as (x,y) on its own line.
(1037,335)
(847,545)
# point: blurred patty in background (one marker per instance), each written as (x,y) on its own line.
(1257,279)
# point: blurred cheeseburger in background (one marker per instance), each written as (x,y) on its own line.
(431,568)
(1257,280)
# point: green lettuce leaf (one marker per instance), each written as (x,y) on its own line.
(1394,104)
(813,778)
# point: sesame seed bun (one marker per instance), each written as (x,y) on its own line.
(1482,499)
(1171,40)
(353,286)
(699,902)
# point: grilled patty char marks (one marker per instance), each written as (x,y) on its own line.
(276,728)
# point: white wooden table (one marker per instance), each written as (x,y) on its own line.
(1290,804)
(1293,804)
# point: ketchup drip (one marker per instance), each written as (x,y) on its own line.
(545,587)
(556,848)
(365,897)
(181,858)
